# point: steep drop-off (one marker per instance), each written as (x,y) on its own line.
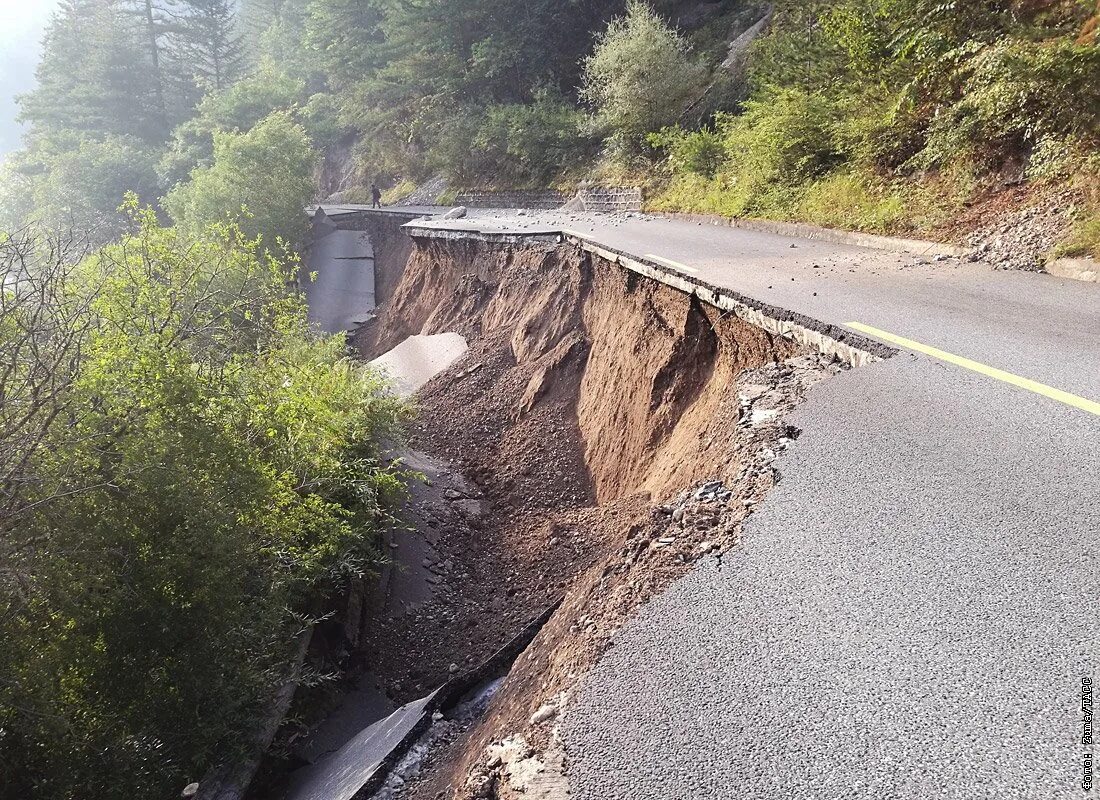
(614,430)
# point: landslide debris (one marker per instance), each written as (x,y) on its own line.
(610,431)
(1022,238)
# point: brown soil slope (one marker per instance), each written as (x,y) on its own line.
(591,406)
(637,367)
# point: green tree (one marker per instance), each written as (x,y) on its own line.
(444,62)
(95,76)
(531,143)
(346,36)
(211,43)
(212,474)
(273,34)
(238,108)
(16,195)
(264,177)
(77,182)
(256,16)
(640,76)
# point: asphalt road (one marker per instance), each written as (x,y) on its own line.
(913,608)
(911,611)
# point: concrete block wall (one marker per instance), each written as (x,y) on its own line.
(611,198)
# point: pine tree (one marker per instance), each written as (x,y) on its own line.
(211,43)
(96,77)
(149,19)
(346,35)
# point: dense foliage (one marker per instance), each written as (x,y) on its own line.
(202,472)
(885,114)
(263,177)
(640,76)
(891,114)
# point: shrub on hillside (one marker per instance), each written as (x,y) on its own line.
(852,200)
(1012,97)
(236,109)
(700,152)
(77,182)
(211,473)
(263,178)
(780,144)
(640,77)
(322,118)
(530,143)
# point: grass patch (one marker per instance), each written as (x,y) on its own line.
(852,201)
(844,200)
(395,194)
(1084,239)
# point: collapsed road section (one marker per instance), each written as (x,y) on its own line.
(610,424)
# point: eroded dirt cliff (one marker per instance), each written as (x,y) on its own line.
(612,431)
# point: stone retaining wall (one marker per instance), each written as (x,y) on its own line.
(611,198)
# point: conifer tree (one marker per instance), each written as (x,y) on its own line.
(210,40)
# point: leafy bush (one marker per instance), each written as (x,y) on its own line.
(1014,95)
(888,114)
(699,152)
(445,138)
(264,177)
(235,109)
(781,143)
(321,117)
(851,200)
(530,143)
(696,193)
(77,183)
(1084,239)
(212,475)
(507,143)
(640,76)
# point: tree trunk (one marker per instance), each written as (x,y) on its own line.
(154,56)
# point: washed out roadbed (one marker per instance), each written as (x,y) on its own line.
(602,434)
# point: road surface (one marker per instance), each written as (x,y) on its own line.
(913,608)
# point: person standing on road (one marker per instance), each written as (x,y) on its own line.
(375,196)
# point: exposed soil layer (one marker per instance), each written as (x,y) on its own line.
(605,432)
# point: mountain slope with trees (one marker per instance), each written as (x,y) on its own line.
(186,470)
(887,115)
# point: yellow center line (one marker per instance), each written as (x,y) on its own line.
(669,262)
(983,369)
